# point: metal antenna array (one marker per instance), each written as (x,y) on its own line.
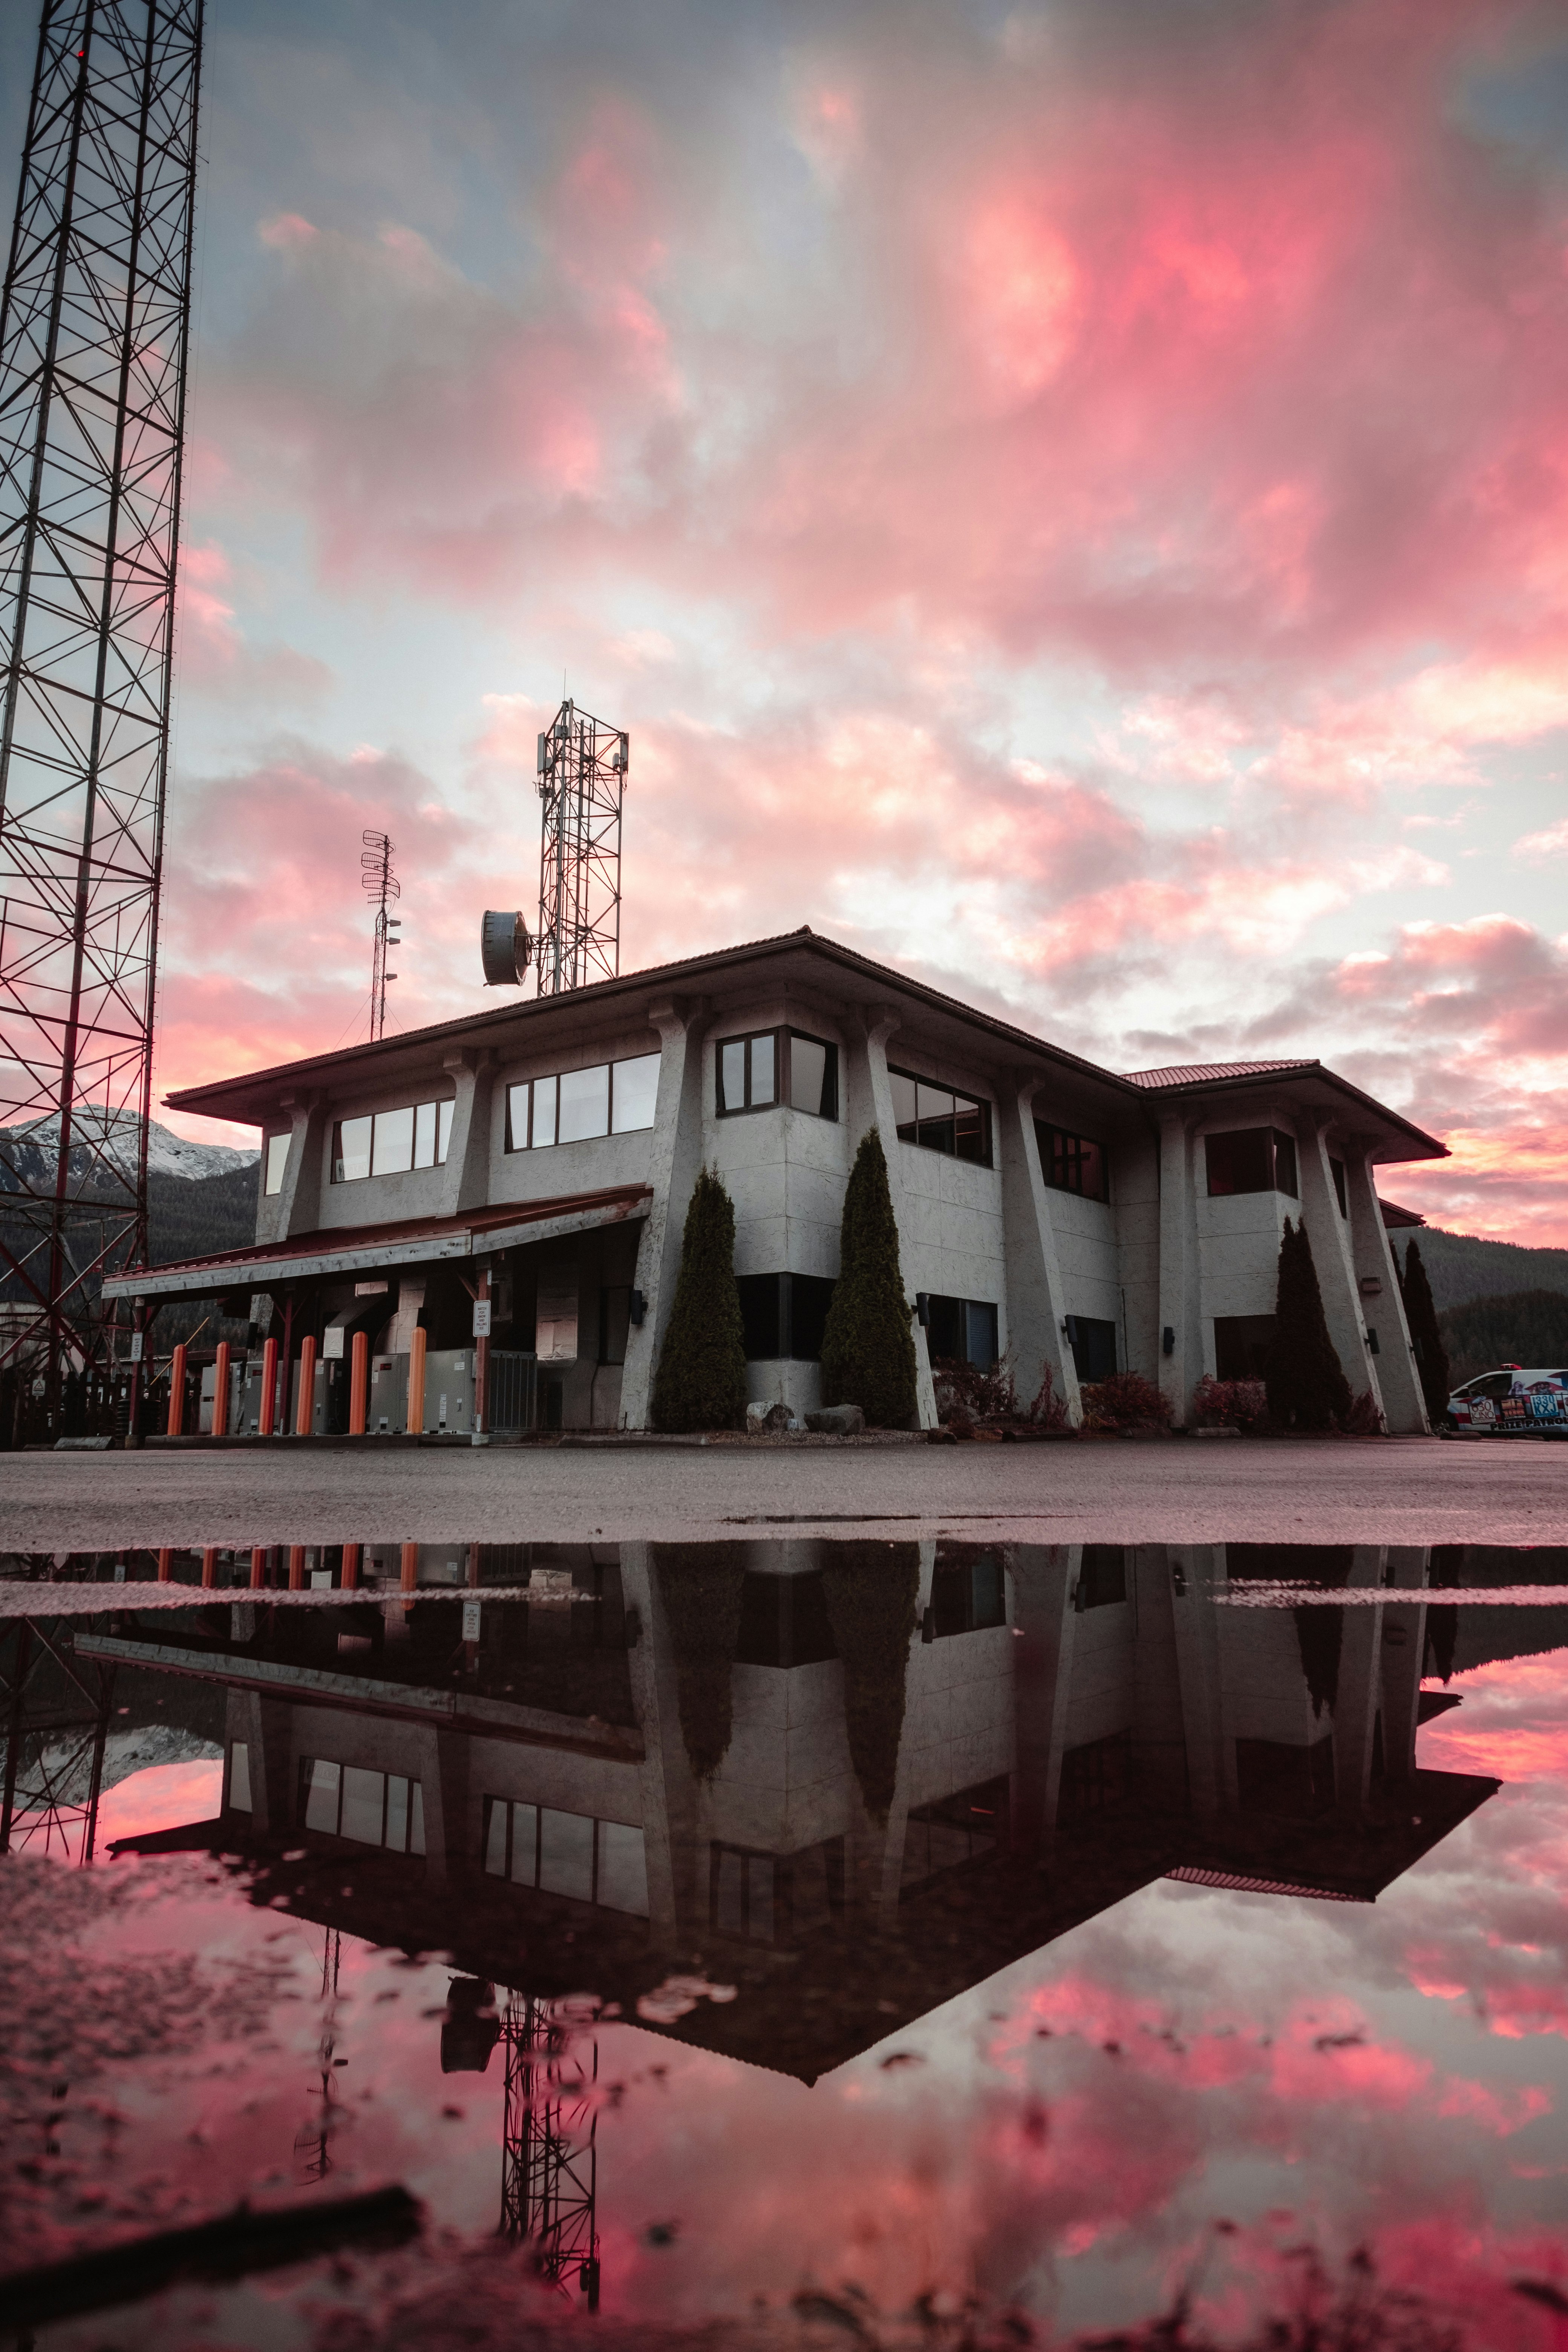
(549,2162)
(56,1714)
(582,781)
(380,886)
(94,326)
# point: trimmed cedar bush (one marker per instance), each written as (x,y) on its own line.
(1124,1401)
(871,1590)
(702,1382)
(1425,1337)
(700,1585)
(1306,1384)
(867,1347)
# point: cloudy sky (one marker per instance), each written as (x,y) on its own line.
(1071,501)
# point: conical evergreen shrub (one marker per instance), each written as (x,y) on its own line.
(1306,1383)
(867,1347)
(702,1378)
(701,1586)
(871,1590)
(1425,1337)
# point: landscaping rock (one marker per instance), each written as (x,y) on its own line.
(762,1418)
(836,1421)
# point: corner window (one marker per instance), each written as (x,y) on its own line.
(391,1142)
(777,1065)
(370,1808)
(1072,1163)
(1250,1160)
(962,1330)
(578,1106)
(941,1118)
(1094,1343)
(276,1161)
(1337,1170)
(783,1315)
(567,1853)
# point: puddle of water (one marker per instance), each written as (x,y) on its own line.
(832,1941)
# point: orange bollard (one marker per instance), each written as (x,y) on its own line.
(416,1383)
(209,1568)
(296,1568)
(305,1412)
(259,1567)
(350,1577)
(359,1384)
(410,1568)
(269,1389)
(166,1565)
(177,1392)
(220,1390)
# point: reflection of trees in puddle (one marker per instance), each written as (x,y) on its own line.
(871,1591)
(701,1586)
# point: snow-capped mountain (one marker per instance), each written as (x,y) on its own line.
(31,1150)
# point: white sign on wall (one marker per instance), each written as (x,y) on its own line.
(481,1319)
(555,1319)
(332,1343)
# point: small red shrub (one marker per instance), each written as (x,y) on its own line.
(1125,1400)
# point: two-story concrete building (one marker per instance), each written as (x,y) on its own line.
(1063,1218)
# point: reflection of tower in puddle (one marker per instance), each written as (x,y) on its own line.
(312,2141)
(549,2154)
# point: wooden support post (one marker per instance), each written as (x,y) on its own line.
(296,1568)
(416,1382)
(258,1560)
(165,1568)
(359,1384)
(305,1414)
(350,1577)
(209,1566)
(269,1389)
(410,1576)
(177,1391)
(220,1390)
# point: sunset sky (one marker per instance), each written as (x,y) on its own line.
(1071,500)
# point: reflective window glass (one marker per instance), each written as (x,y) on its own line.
(517,1117)
(416,1820)
(391,1150)
(424,1134)
(623,1869)
(321,1794)
(351,1157)
(444,1112)
(525,1845)
(634,1094)
(497,1810)
(276,1161)
(566,1854)
(808,1075)
(397,1812)
(584,1103)
(903,1105)
(364,1804)
(545,1092)
(239,1777)
(764,1088)
(732,1074)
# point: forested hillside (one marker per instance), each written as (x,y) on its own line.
(188,1218)
(1459,1266)
(1526,1327)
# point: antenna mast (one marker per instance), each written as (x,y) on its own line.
(94,329)
(380,885)
(582,782)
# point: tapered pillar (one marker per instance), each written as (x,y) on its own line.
(220,1390)
(177,1392)
(359,1384)
(305,1410)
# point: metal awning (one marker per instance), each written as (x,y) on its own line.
(359,1249)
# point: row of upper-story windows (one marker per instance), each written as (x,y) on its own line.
(1250,1160)
(575,1106)
(777,1065)
(391,1142)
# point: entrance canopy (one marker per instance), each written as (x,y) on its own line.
(354,1249)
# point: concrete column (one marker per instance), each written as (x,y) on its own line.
(1330,1234)
(868,1103)
(1036,1339)
(466,1178)
(1043,1580)
(675,1159)
(1371,1247)
(1181,1302)
(296,1209)
(637,1581)
(1360,1686)
(1194,1569)
(1404,1647)
(265,1725)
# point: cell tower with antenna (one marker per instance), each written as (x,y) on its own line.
(582,782)
(94,329)
(381,887)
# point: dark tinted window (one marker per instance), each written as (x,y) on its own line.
(1101,1577)
(967,1594)
(748,1072)
(1093,1344)
(1072,1163)
(940,1117)
(813,1075)
(783,1315)
(784,1621)
(960,1331)
(1337,1170)
(1250,1160)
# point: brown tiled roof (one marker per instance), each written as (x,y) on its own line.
(1197,1074)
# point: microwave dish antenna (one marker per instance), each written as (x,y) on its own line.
(505,949)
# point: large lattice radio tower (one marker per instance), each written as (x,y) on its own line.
(94,328)
(582,782)
(549,2157)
